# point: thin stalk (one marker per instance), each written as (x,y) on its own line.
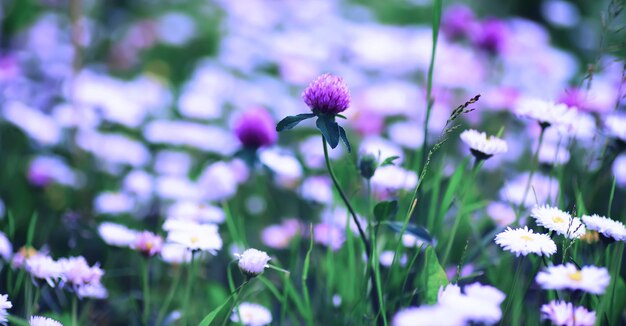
(375,264)
(368,248)
(512,290)
(530,175)
(170,296)
(457,220)
(190,278)
(28,299)
(146,290)
(431,70)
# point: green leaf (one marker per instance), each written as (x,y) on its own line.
(292,120)
(415,230)
(329,128)
(341,116)
(208,319)
(389,160)
(342,134)
(386,210)
(433,276)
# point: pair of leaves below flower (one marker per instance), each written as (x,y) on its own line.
(291,121)
(332,131)
(327,125)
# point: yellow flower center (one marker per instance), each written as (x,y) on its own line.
(194,239)
(558,219)
(576,276)
(526,238)
(149,245)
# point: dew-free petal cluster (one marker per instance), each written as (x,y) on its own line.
(558,221)
(606,226)
(590,279)
(523,241)
(327,94)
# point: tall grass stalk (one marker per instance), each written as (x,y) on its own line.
(530,175)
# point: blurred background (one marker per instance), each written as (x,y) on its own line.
(122,110)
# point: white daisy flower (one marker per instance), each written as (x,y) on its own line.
(524,241)
(547,113)
(253,262)
(45,268)
(427,316)
(252,314)
(5,304)
(591,279)
(563,313)
(92,290)
(481,146)
(175,254)
(608,227)
(195,236)
(43,321)
(559,221)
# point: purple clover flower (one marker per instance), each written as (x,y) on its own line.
(327,94)
(255,128)
(492,35)
(458,21)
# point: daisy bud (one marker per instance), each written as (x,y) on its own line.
(255,128)
(253,262)
(367,165)
(481,146)
(328,94)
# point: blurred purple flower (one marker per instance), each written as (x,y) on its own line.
(491,35)
(458,21)
(256,128)
(328,94)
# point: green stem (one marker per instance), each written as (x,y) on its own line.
(368,248)
(431,70)
(530,176)
(190,279)
(75,311)
(170,296)
(28,299)
(146,290)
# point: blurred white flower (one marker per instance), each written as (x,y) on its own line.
(6,248)
(43,321)
(175,254)
(114,149)
(5,304)
(34,123)
(542,189)
(329,235)
(253,262)
(45,268)
(501,213)
(198,212)
(192,134)
(562,313)
(176,28)
(559,221)
(479,303)
(218,181)
(92,290)
(43,170)
(139,183)
(116,234)
(436,315)
(551,153)
(481,146)
(114,203)
(606,226)
(615,126)
(407,133)
(318,189)
(278,236)
(77,272)
(286,168)
(590,279)
(386,258)
(252,314)
(148,243)
(545,112)
(619,170)
(390,179)
(524,241)
(175,163)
